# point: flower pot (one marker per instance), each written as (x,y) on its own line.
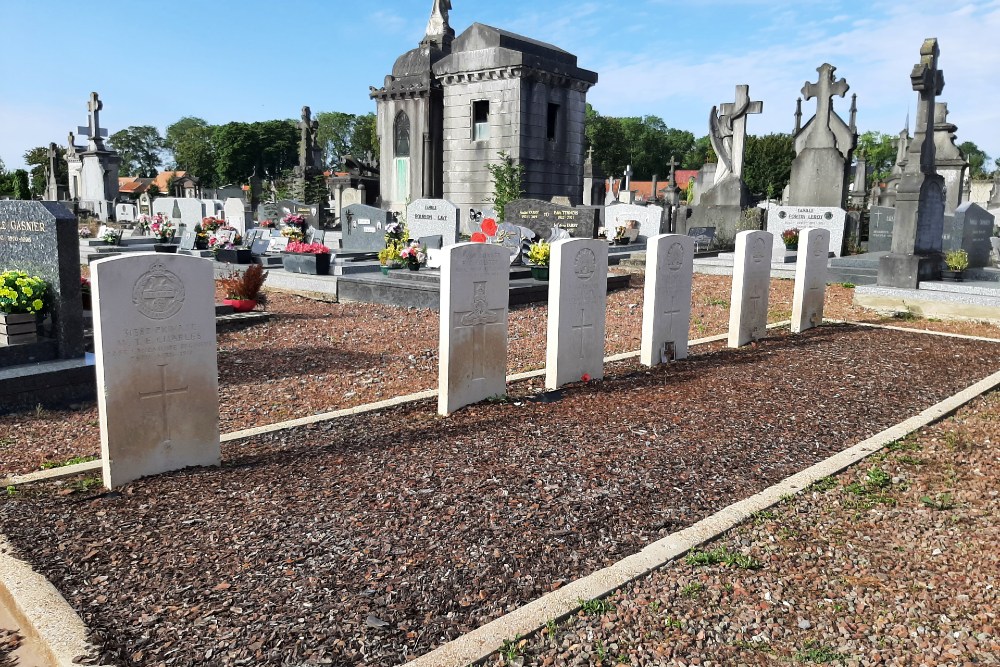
(18,328)
(540,272)
(234,256)
(88,301)
(953,276)
(413,267)
(164,247)
(621,241)
(201,245)
(384,270)
(791,246)
(315,265)
(241,305)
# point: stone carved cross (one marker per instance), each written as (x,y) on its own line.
(477,319)
(928,81)
(628,178)
(823,90)
(163,394)
(582,328)
(673,167)
(732,120)
(307,142)
(53,154)
(590,154)
(93,131)
(670,312)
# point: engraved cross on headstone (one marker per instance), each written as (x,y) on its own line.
(582,328)
(754,303)
(477,319)
(736,118)
(163,394)
(928,81)
(670,312)
(823,90)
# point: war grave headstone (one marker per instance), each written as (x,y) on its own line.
(126,212)
(157,377)
(830,218)
(472,349)
(541,216)
(40,238)
(650,219)
(578,294)
(235,214)
(433,217)
(666,306)
(880,223)
(969,229)
(363,228)
(751,287)
(810,279)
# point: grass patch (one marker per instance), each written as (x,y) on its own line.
(904,445)
(596,606)
(512,649)
(716,302)
(692,589)
(48,465)
(942,502)
(761,646)
(722,556)
(910,460)
(818,653)
(868,492)
(823,484)
(87,483)
(763,516)
(847,285)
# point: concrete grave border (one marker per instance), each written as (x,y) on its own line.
(44,614)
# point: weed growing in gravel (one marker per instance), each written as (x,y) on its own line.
(786,498)
(763,516)
(692,589)
(550,627)
(823,484)
(910,461)
(904,445)
(943,502)
(6,443)
(673,623)
(723,556)
(48,465)
(596,606)
(905,316)
(86,484)
(716,302)
(815,652)
(500,399)
(877,479)
(847,285)
(512,649)
(761,646)
(11,491)
(93,422)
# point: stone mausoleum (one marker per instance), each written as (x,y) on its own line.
(453,104)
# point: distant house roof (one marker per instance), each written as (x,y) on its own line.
(164,177)
(133,185)
(644,189)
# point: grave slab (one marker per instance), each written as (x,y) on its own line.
(578,294)
(157,377)
(541,217)
(433,217)
(364,228)
(751,283)
(810,279)
(666,306)
(799,217)
(649,218)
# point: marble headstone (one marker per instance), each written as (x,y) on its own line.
(126,212)
(810,279)
(191,211)
(649,218)
(157,377)
(578,294)
(666,305)
(472,347)
(970,228)
(751,287)
(269,211)
(880,221)
(541,217)
(41,239)
(235,214)
(832,219)
(364,228)
(433,217)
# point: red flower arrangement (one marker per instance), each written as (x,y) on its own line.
(307,248)
(489,230)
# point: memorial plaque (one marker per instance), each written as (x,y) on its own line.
(363,229)
(433,217)
(541,216)
(800,217)
(880,223)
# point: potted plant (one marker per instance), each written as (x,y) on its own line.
(22,299)
(414,256)
(311,258)
(538,254)
(790,237)
(295,227)
(112,236)
(212,224)
(227,244)
(266,224)
(162,230)
(85,293)
(200,238)
(388,259)
(243,290)
(957,262)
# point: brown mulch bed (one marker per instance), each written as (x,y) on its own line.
(892,562)
(10,641)
(375,538)
(314,357)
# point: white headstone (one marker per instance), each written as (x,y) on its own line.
(192,210)
(433,217)
(751,285)
(157,377)
(781,218)
(235,214)
(126,212)
(472,349)
(649,218)
(666,306)
(810,279)
(578,294)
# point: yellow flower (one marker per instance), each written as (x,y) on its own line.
(28,291)
(37,303)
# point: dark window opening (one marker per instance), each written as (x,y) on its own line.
(553,121)
(401,135)
(481,120)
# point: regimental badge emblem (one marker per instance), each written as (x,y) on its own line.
(585,264)
(675,257)
(158,294)
(759,250)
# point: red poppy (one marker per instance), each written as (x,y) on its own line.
(489,227)
(586,377)
(479,237)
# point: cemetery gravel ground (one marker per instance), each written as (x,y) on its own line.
(315,357)
(375,538)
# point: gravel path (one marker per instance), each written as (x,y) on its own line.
(373,539)
(314,357)
(893,562)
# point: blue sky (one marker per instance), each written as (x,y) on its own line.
(153,63)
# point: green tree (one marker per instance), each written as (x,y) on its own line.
(6,185)
(508,183)
(978,159)
(269,148)
(190,140)
(700,154)
(646,143)
(334,136)
(38,159)
(21,187)
(364,136)
(880,154)
(140,148)
(767,163)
